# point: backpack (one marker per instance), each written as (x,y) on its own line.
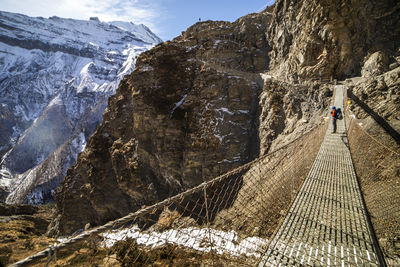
(339,114)
(334,113)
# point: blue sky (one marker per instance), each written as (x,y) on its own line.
(167,18)
(182,14)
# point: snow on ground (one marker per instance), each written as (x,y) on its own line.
(224,110)
(191,237)
(265,76)
(177,105)
(216,43)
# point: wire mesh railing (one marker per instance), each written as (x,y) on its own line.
(326,224)
(225,221)
(229,221)
(377,164)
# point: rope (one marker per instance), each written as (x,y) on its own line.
(52,256)
(207,217)
(377,167)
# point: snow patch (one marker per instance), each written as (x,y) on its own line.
(191,237)
(221,138)
(146,68)
(225,110)
(216,43)
(179,103)
(190,48)
(6,179)
(265,76)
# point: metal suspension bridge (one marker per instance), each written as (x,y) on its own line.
(299,205)
(327,223)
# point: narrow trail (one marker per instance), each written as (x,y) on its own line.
(327,223)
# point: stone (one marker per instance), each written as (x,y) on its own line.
(376,64)
(380,94)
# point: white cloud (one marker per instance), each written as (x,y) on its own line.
(137,11)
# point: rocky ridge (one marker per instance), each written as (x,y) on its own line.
(164,132)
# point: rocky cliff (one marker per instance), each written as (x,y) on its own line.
(187,113)
(190,111)
(324,39)
(218,96)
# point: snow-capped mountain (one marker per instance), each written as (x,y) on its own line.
(55,78)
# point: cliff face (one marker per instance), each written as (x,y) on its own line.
(187,113)
(325,39)
(216,97)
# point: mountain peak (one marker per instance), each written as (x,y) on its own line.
(140,30)
(56,75)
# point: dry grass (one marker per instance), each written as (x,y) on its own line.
(23,235)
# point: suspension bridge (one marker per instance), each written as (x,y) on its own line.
(299,205)
(327,223)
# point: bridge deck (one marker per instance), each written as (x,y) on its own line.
(327,223)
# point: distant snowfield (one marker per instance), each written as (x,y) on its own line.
(191,237)
(56,75)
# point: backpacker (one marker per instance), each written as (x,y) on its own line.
(339,114)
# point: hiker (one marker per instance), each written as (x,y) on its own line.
(334,117)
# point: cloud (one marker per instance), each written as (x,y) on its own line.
(137,11)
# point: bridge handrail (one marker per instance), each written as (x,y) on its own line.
(353,118)
(376,165)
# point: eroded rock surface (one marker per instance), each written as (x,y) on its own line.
(187,113)
(325,39)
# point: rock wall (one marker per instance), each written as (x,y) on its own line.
(287,110)
(325,39)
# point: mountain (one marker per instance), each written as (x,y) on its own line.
(224,93)
(192,109)
(56,76)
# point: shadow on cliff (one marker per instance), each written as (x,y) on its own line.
(381,121)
